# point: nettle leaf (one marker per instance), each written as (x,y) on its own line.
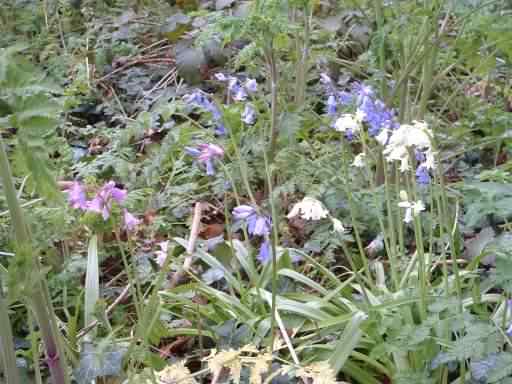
(99,361)
(492,368)
(480,339)
(413,377)
(410,338)
(504,271)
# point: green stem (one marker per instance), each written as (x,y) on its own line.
(274,129)
(275,240)
(352,210)
(38,297)
(7,350)
(303,53)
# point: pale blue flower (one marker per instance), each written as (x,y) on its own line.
(331,105)
(265,253)
(251,85)
(206,154)
(249,115)
(422,175)
(257,225)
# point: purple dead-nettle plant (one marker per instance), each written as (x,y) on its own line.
(200,100)
(102,202)
(257,225)
(206,155)
(130,222)
(77,197)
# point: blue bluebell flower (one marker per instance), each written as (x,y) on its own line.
(265,253)
(422,175)
(198,99)
(206,154)
(251,85)
(345,98)
(331,105)
(249,114)
(257,225)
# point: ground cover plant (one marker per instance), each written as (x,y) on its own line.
(260,191)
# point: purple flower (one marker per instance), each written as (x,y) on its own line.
(220,76)
(349,134)
(420,156)
(76,196)
(161,255)
(345,97)
(251,85)
(331,105)
(509,330)
(422,175)
(249,115)
(238,93)
(376,114)
(102,202)
(325,79)
(198,99)
(130,221)
(265,253)
(205,154)
(257,225)
(242,212)
(220,129)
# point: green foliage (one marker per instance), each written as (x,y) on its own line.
(28,107)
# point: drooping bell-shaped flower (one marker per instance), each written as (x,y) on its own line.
(205,155)
(102,202)
(77,197)
(249,115)
(130,222)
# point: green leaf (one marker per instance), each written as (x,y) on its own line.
(99,361)
(347,342)
(92,281)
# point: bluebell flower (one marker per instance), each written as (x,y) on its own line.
(257,225)
(251,85)
(422,175)
(198,99)
(249,115)
(420,155)
(345,97)
(205,154)
(325,79)
(220,129)
(238,93)
(331,105)
(376,114)
(265,253)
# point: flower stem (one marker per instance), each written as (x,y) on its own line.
(7,350)
(38,297)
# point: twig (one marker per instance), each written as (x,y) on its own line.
(141,60)
(194,233)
